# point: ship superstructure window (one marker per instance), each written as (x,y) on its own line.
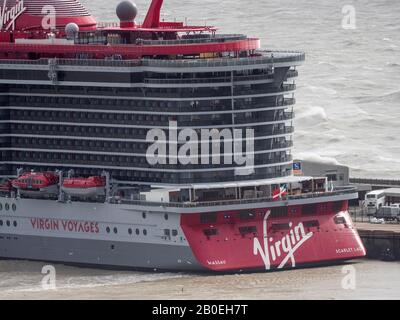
(208,218)
(279,212)
(309,209)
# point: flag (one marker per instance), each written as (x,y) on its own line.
(280,192)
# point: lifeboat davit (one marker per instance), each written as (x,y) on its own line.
(37,182)
(85,187)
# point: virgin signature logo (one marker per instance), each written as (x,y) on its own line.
(8,16)
(271,250)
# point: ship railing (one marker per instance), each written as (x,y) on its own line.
(272,58)
(315,195)
(211,80)
(217,38)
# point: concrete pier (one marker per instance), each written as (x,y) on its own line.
(382,241)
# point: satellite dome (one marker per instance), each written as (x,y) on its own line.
(126,11)
(71,30)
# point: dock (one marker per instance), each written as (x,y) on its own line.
(382,241)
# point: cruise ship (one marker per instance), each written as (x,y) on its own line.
(154,145)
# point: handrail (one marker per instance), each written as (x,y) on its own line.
(232,202)
(216,38)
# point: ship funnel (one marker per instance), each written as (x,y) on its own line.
(152,19)
(127,12)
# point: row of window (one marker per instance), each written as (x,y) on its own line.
(145,105)
(135,162)
(8,223)
(307,209)
(136,119)
(7,207)
(111,132)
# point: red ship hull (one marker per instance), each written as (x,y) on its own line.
(267,241)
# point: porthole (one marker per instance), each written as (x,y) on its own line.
(8,223)
(137,231)
(1,206)
(1,223)
(144,232)
(115,230)
(112,247)
(108,230)
(7,206)
(130,231)
(14,207)
(15,224)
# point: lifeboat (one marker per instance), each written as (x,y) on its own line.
(85,187)
(5,186)
(37,182)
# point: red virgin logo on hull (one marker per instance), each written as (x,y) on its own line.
(65,225)
(8,16)
(270,250)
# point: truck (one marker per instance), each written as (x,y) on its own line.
(389,213)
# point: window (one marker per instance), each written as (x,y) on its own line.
(144,232)
(280,226)
(340,220)
(247,216)
(309,209)
(115,230)
(310,224)
(279,212)
(130,231)
(337,206)
(108,230)
(208,218)
(7,206)
(15,224)
(210,232)
(174,233)
(331,177)
(137,231)
(247,230)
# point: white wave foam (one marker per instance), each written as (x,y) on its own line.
(314,157)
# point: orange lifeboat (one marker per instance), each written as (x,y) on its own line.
(40,182)
(85,187)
